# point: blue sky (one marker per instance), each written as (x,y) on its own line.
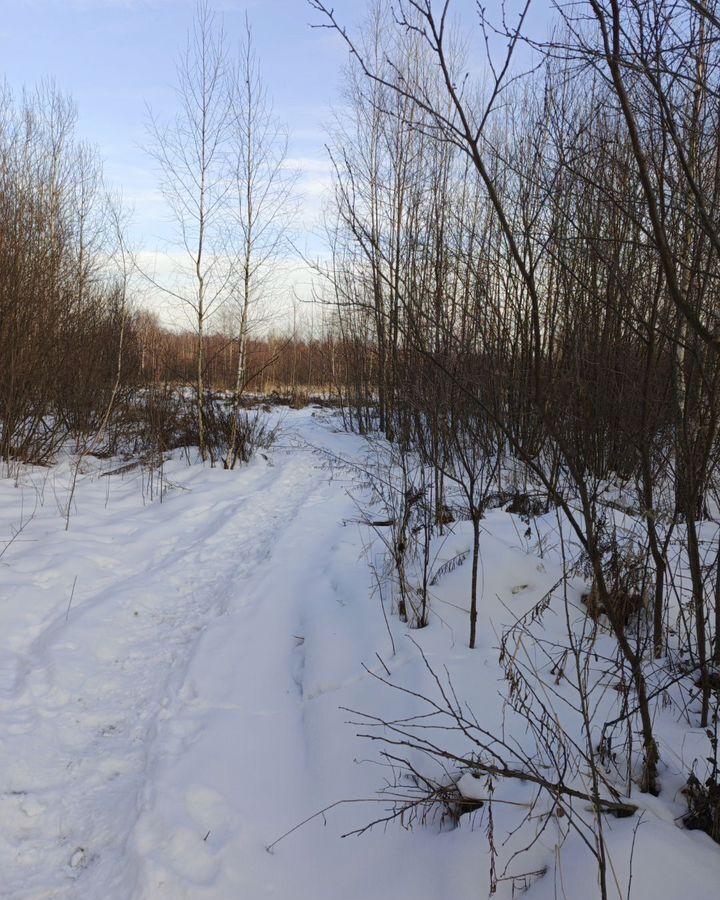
(115,57)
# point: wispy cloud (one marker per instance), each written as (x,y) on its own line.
(308,164)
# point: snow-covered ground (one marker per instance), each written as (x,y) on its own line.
(174,680)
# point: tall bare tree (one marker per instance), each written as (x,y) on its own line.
(262,206)
(193,154)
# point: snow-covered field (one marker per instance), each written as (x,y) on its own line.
(174,685)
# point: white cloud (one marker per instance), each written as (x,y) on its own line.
(291,283)
(308,164)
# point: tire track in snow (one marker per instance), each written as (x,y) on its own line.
(79,731)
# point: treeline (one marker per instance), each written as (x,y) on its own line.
(528,271)
(289,365)
(62,290)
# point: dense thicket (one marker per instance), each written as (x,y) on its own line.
(529,272)
(62,299)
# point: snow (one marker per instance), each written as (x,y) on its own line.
(175,686)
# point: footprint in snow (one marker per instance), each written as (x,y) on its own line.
(80,860)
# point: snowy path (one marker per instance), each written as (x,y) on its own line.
(182,707)
(255,739)
(164,721)
(84,694)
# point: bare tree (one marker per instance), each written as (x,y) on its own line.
(262,206)
(193,157)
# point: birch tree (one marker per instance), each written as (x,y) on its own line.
(262,205)
(193,157)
